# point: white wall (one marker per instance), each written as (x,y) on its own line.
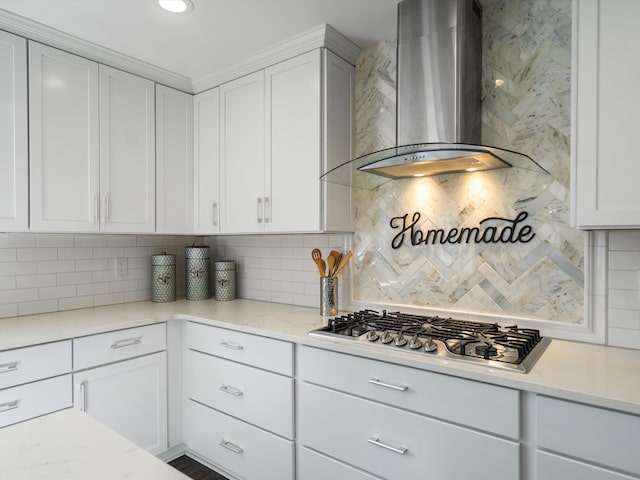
(623,290)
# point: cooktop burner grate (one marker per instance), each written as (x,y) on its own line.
(508,347)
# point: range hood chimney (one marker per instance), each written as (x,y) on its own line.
(439,82)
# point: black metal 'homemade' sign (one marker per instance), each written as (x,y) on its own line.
(512,231)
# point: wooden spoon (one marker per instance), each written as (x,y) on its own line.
(333,260)
(343,263)
(316,254)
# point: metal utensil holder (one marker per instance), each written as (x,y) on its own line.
(328,296)
(163,278)
(198,272)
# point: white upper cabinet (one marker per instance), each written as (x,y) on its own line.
(63,140)
(14,189)
(605,171)
(242,169)
(206,162)
(127,152)
(174,161)
(280,129)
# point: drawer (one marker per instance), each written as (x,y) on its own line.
(495,409)
(118,345)
(237,447)
(256,396)
(314,466)
(549,466)
(34,399)
(373,437)
(598,435)
(263,352)
(23,365)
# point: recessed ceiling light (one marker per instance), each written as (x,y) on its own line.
(176,6)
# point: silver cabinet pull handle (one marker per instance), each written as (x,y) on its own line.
(266,210)
(126,342)
(230,446)
(83,406)
(214,214)
(12,405)
(8,367)
(96,207)
(378,443)
(376,381)
(259,210)
(232,346)
(231,390)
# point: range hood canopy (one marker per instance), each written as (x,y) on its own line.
(438,100)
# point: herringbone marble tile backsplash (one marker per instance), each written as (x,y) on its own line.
(527,45)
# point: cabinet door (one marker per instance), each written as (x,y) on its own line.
(293,144)
(338,211)
(605,170)
(63,141)
(130,397)
(174,181)
(242,155)
(14,188)
(206,161)
(127,152)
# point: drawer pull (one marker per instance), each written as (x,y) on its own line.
(230,446)
(12,405)
(377,442)
(231,390)
(127,342)
(9,367)
(83,398)
(232,346)
(375,381)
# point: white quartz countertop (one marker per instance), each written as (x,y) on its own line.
(70,445)
(594,374)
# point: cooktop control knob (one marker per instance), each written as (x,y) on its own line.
(372,336)
(386,337)
(430,345)
(415,343)
(400,340)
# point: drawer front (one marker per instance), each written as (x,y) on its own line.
(263,352)
(237,447)
(258,397)
(24,365)
(595,434)
(374,437)
(313,466)
(549,466)
(495,409)
(118,345)
(34,399)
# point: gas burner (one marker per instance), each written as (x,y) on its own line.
(508,347)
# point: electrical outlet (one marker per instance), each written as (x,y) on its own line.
(121,267)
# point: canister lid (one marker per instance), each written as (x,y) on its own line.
(163,259)
(224,265)
(196,251)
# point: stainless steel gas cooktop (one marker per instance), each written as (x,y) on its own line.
(505,347)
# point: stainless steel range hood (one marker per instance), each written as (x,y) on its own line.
(438,98)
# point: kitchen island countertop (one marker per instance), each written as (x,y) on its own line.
(594,374)
(71,445)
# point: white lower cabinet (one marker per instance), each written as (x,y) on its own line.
(581,441)
(128,392)
(384,423)
(239,410)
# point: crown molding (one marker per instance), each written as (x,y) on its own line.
(38,32)
(323,36)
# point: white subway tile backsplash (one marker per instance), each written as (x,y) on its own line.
(624,260)
(45,293)
(625,241)
(629,319)
(75,253)
(7,283)
(8,255)
(27,281)
(54,240)
(74,278)
(29,254)
(56,266)
(14,240)
(88,240)
(108,252)
(74,303)
(41,306)
(108,299)
(18,295)
(18,268)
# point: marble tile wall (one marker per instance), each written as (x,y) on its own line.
(527,45)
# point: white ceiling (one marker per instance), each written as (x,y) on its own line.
(216,34)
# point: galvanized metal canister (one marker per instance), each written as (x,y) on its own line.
(225,279)
(163,278)
(198,272)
